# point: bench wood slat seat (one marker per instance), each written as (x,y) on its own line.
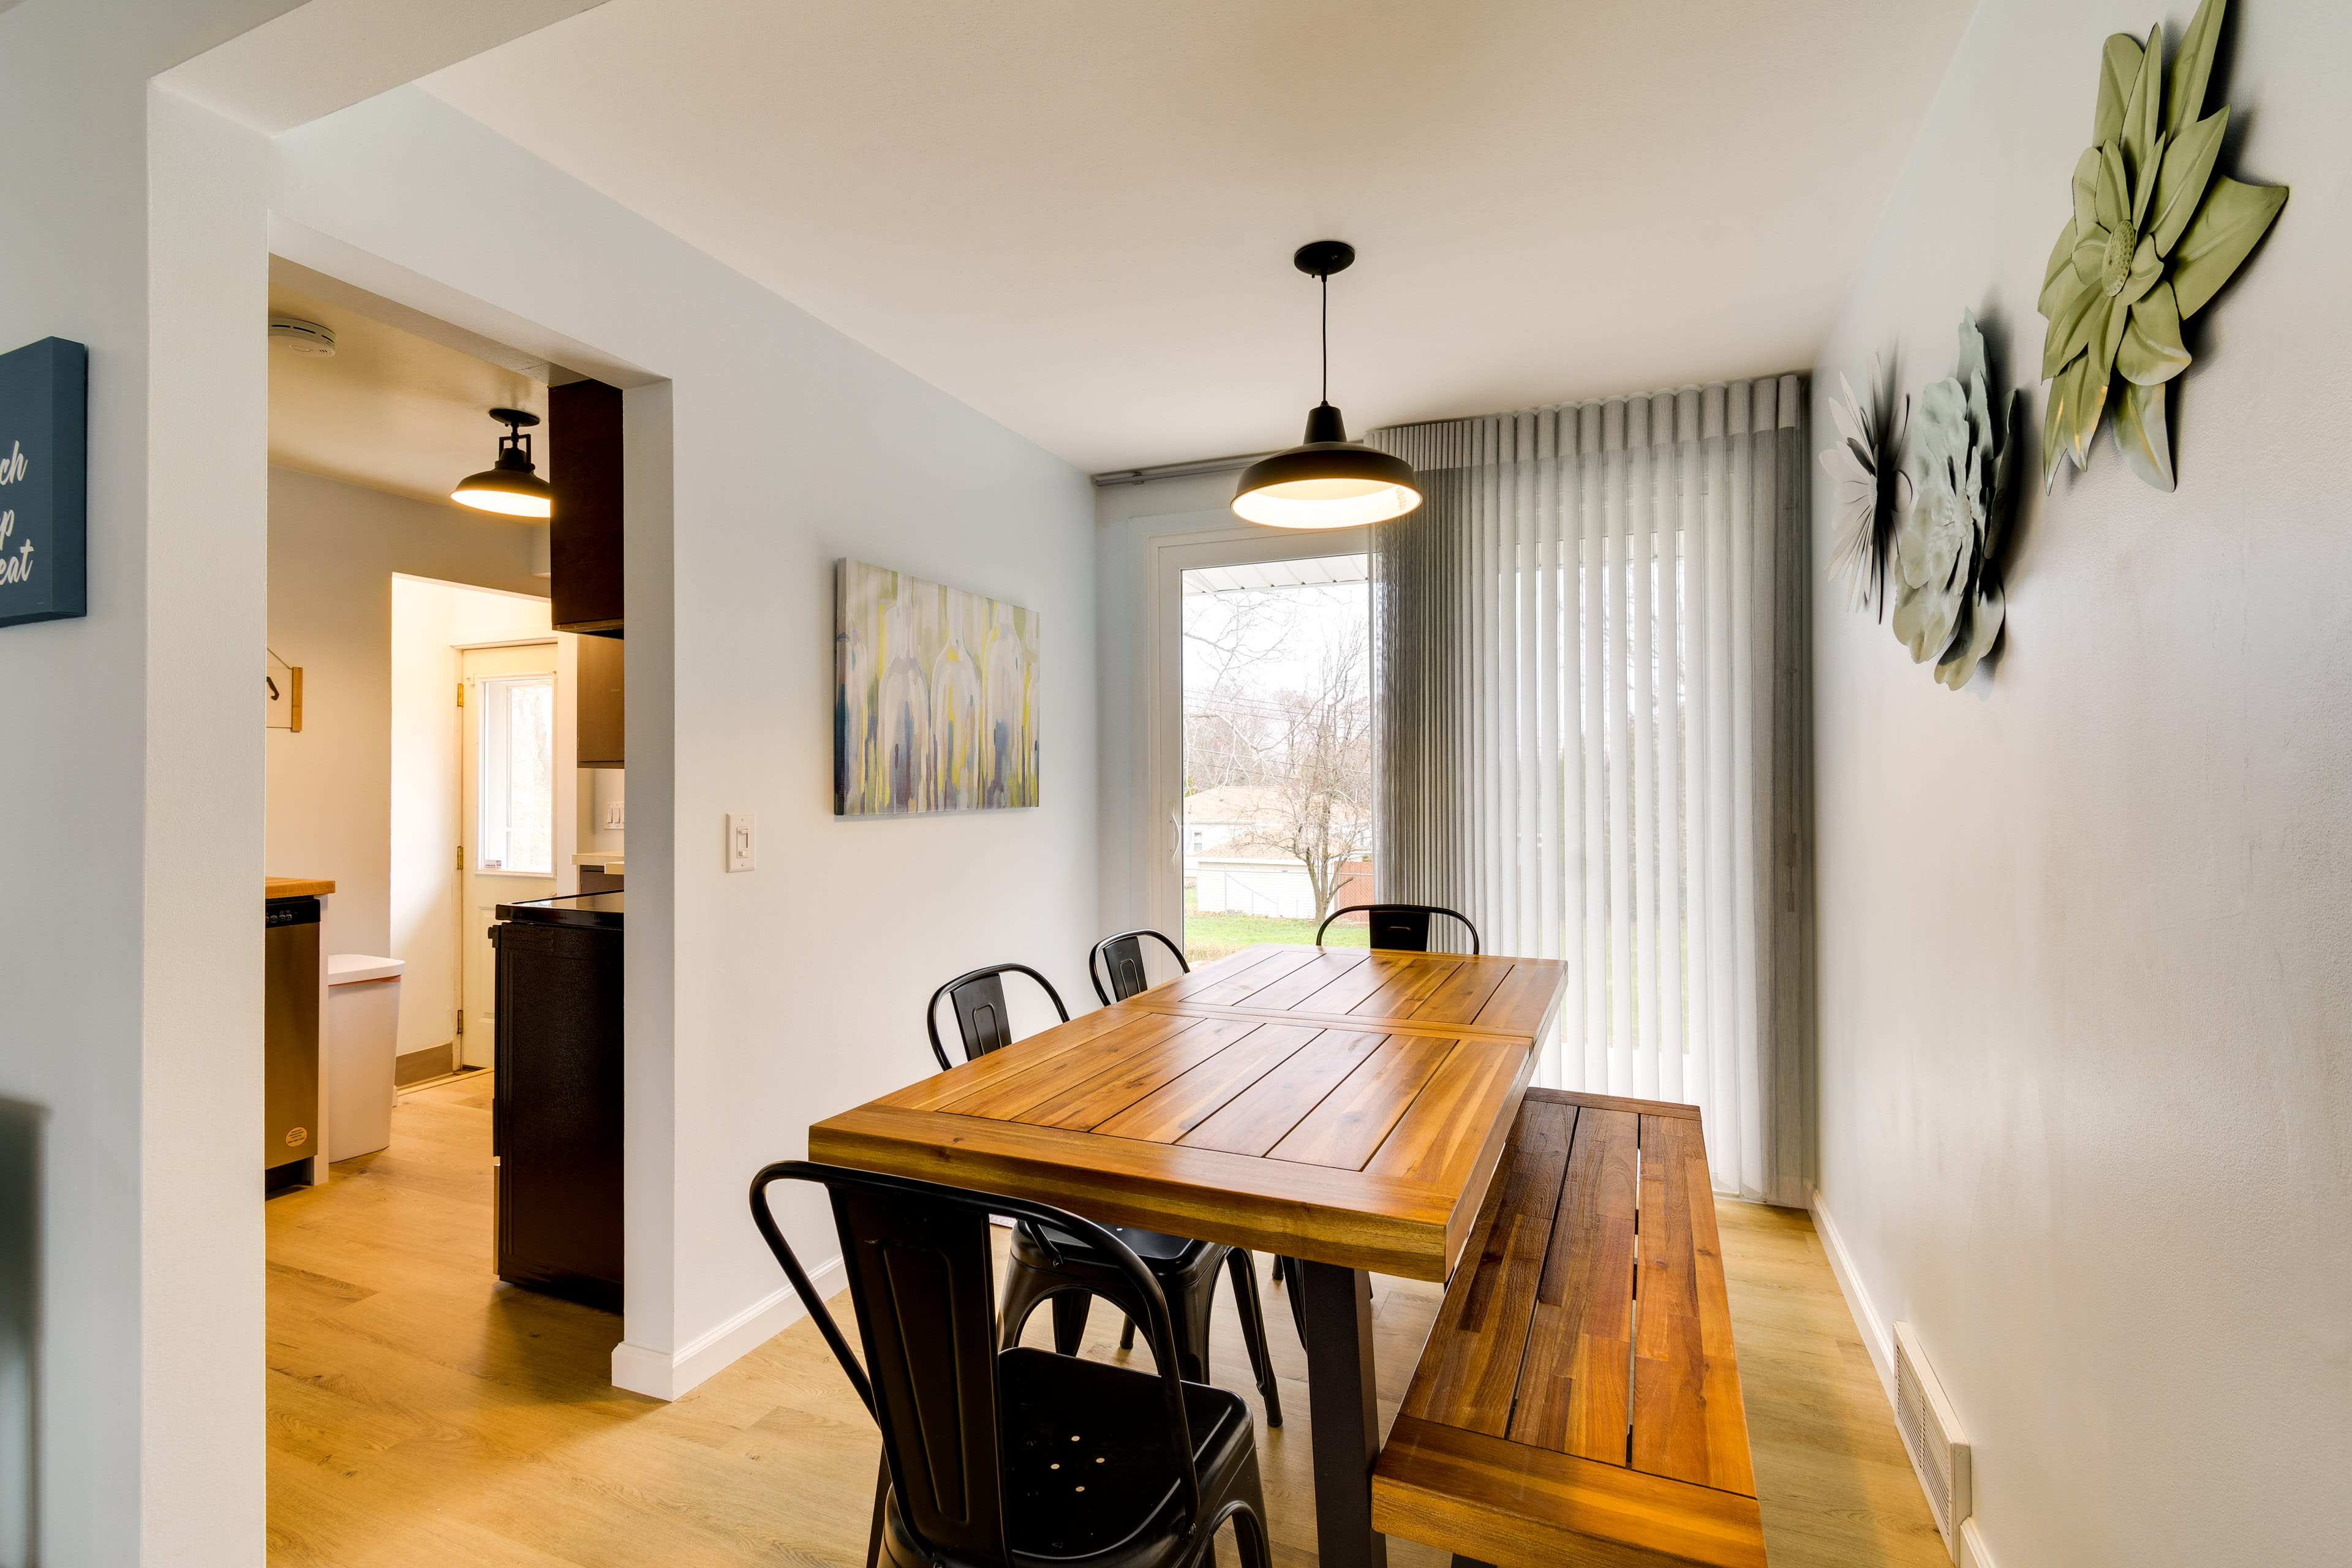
(1579,1398)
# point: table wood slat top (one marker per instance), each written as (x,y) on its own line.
(1350,1138)
(1352,1120)
(1374,987)
(1582,1359)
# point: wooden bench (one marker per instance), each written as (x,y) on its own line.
(1578,1401)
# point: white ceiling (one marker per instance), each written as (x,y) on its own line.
(391,409)
(1078,215)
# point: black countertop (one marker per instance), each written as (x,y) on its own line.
(598,909)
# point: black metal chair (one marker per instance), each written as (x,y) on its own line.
(1120,958)
(1062,1272)
(982,1020)
(1013,1457)
(1400,928)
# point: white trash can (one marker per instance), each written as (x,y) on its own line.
(362,1041)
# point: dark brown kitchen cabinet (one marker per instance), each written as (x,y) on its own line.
(584,447)
(602,703)
(556,1102)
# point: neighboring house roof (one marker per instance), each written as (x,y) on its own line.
(1234,803)
(1243,848)
(1237,804)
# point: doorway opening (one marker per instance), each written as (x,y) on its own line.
(480,705)
(375,577)
(456,767)
(1276,830)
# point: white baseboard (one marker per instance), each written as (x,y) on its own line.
(1875,1336)
(1880,1345)
(669,1374)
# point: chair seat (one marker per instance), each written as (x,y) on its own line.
(1086,1461)
(1051,1263)
(1156,1249)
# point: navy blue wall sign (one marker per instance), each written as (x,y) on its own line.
(44,481)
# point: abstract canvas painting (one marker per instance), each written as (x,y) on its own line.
(935,697)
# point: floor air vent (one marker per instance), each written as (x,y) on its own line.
(1940,1449)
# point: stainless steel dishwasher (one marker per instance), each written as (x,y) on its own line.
(289,1041)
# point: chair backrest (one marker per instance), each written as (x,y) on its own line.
(981,1021)
(922,1281)
(1120,958)
(1400,928)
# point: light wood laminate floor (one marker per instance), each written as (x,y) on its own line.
(419,1412)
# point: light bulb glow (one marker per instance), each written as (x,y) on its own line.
(1325,503)
(507,503)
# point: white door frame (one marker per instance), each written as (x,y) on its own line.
(1166,558)
(472,1048)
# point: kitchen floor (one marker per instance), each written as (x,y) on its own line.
(419,1411)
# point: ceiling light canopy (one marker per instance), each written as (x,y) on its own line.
(511,487)
(312,340)
(1326,480)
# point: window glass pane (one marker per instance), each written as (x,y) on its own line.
(1277,752)
(517,831)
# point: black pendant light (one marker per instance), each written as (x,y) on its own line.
(512,486)
(1327,480)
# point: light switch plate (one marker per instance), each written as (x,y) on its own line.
(613,818)
(740,842)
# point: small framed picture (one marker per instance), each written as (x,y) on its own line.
(44,481)
(282,706)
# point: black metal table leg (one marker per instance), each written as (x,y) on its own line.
(1343,1402)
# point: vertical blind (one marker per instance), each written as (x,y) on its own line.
(1591,726)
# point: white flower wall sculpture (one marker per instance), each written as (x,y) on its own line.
(2155,234)
(1949,606)
(1866,465)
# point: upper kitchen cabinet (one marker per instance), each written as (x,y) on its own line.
(602,713)
(583,444)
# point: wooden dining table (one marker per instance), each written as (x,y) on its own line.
(1343,1107)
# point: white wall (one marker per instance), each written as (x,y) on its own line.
(784,995)
(2084,930)
(601,788)
(334,549)
(128,944)
(429,618)
(130,1020)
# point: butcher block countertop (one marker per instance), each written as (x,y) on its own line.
(295,887)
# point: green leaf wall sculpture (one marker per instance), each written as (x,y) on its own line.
(2155,234)
(1948,604)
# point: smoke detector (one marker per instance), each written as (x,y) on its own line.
(307,339)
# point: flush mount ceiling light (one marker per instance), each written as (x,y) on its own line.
(1327,480)
(297,336)
(513,485)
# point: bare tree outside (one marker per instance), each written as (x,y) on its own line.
(1234,644)
(1277,752)
(1316,759)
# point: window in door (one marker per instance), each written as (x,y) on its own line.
(516,811)
(1277,752)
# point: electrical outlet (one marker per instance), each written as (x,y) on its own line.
(740,842)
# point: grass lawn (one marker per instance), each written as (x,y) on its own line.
(1215,934)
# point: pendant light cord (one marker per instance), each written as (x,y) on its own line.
(1325,278)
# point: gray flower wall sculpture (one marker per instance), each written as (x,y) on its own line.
(1947,599)
(2155,234)
(1872,487)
